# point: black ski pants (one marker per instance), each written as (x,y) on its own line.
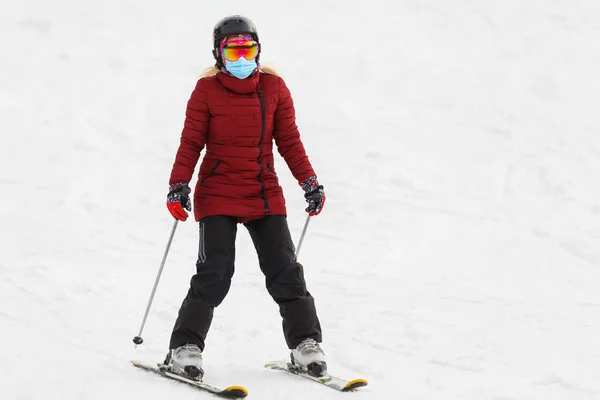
(215,267)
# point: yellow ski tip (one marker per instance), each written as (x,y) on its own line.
(356,383)
(237,389)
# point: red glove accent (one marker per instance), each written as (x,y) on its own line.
(177,211)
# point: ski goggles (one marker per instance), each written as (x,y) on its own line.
(234,49)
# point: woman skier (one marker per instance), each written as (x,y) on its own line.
(235,112)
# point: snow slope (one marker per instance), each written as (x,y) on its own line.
(458,254)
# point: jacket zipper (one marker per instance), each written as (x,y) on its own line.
(211,173)
(270,170)
(260,148)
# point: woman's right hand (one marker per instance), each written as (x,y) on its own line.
(178,200)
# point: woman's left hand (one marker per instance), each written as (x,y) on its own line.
(314,195)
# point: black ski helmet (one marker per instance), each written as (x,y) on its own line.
(229,26)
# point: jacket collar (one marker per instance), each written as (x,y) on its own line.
(241,86)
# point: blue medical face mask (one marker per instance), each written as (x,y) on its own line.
(241,68)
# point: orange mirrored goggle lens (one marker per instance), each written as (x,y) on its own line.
(232,51)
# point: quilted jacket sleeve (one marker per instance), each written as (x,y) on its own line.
(287,136)
(193,136)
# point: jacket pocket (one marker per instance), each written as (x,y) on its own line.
(271,171)
(211,173)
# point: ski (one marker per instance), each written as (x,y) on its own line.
(231,392)
(327,380)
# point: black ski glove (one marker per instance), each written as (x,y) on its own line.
(178,200)
(314,195)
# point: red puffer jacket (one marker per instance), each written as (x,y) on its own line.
(237,121)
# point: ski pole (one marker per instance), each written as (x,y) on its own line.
(302,235)
(138,339)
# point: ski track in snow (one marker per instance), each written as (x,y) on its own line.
(456,258)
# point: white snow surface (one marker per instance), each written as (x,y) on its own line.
(457,256)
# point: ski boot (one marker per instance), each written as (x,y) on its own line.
(308,356)
(186,361)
